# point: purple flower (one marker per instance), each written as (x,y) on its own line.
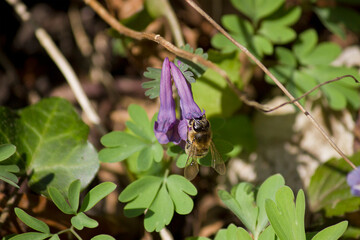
(165,127)
(353,180)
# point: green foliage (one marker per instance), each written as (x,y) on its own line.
(157,198)
(308,64)
(7,171)
(102,237)
(232,233)
(249,207)
(269,24)
(287,218)
(329,191)
(53,141)
(154,85)
(121,145)
(67,206)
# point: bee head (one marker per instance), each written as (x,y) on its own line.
(200,124)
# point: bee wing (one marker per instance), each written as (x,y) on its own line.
(191,167)
(217,162)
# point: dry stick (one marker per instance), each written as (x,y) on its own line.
(52,50)
(267,72)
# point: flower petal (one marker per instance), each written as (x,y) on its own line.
(164,127)
(353,180)
(188,106)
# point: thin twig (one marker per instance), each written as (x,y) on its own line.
(276,81)
(52,50)
(310,91)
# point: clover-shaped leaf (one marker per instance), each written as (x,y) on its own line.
(122,145)
(158,198)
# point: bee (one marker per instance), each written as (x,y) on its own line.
(198,143)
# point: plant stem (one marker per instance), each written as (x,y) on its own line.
(75,233)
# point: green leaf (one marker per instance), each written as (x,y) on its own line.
(154,85)
(54,140)
(140,194)
(257,9)
(144,159)
(285,57)
(81,220)
(31,235)
(103,237)
(54,237)
(6,174)
(60,201)
(333,232)
(285,16)
(328,188)
(339,19)
(305,43)
(140,124)
(120,145)
(267,190)
(32,222)
(197,238)
(286,219)
(96,194)
(268,234)
(160,212)
(74,195)
(262,46)
(6,150)
(241,203)
(323,54)
(179,188)
(277,34)
(282,72)
(158,198)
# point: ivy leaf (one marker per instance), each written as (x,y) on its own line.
(158,198)
(123,145)
(54,140)
(32,222)
(329,191)
(154,85)
(81,220)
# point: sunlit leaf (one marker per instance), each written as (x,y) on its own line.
(96,194)
(81,220)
